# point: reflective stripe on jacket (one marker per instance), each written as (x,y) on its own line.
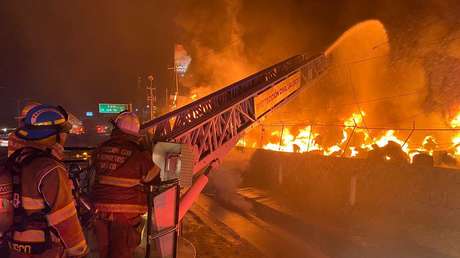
(120,208)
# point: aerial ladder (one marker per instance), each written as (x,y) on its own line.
(190,141)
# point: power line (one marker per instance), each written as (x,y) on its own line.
(364,101)
(383,128)
(353,92)
(388,97)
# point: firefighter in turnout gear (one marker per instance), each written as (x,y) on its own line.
(45,220)
(14,142)
(122,168)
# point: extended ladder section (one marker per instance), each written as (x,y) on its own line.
(213,124)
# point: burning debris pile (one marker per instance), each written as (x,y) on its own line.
(356,141)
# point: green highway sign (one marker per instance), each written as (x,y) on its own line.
(112,108)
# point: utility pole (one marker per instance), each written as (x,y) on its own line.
(176,85)
(151,97)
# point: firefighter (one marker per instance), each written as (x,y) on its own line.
(14,142)
(122,168)
(45,220)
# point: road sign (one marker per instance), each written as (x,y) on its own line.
(112,108)
(89,114)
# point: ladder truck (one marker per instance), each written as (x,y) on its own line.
(189,142)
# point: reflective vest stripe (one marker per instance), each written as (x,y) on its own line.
(62,214)
(120,208)
(33,203)
(70,233)
(118,181)
(29,236)
(77,249)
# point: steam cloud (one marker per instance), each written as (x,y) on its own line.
(217,47)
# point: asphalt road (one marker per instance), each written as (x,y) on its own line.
(278,232)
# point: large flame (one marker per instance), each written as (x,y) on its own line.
(390,136)
(306,140)
(456,143)
(455,123)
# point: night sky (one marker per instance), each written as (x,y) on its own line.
(80,53)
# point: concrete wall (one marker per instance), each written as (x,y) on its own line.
(359,190)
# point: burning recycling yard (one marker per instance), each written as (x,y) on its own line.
(230,128)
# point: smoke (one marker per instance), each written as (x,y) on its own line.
(232,39)
(225,183)
(217,46)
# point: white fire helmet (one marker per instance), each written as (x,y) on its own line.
(128,122)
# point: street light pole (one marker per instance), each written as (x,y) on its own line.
(151,96)
(176,84)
